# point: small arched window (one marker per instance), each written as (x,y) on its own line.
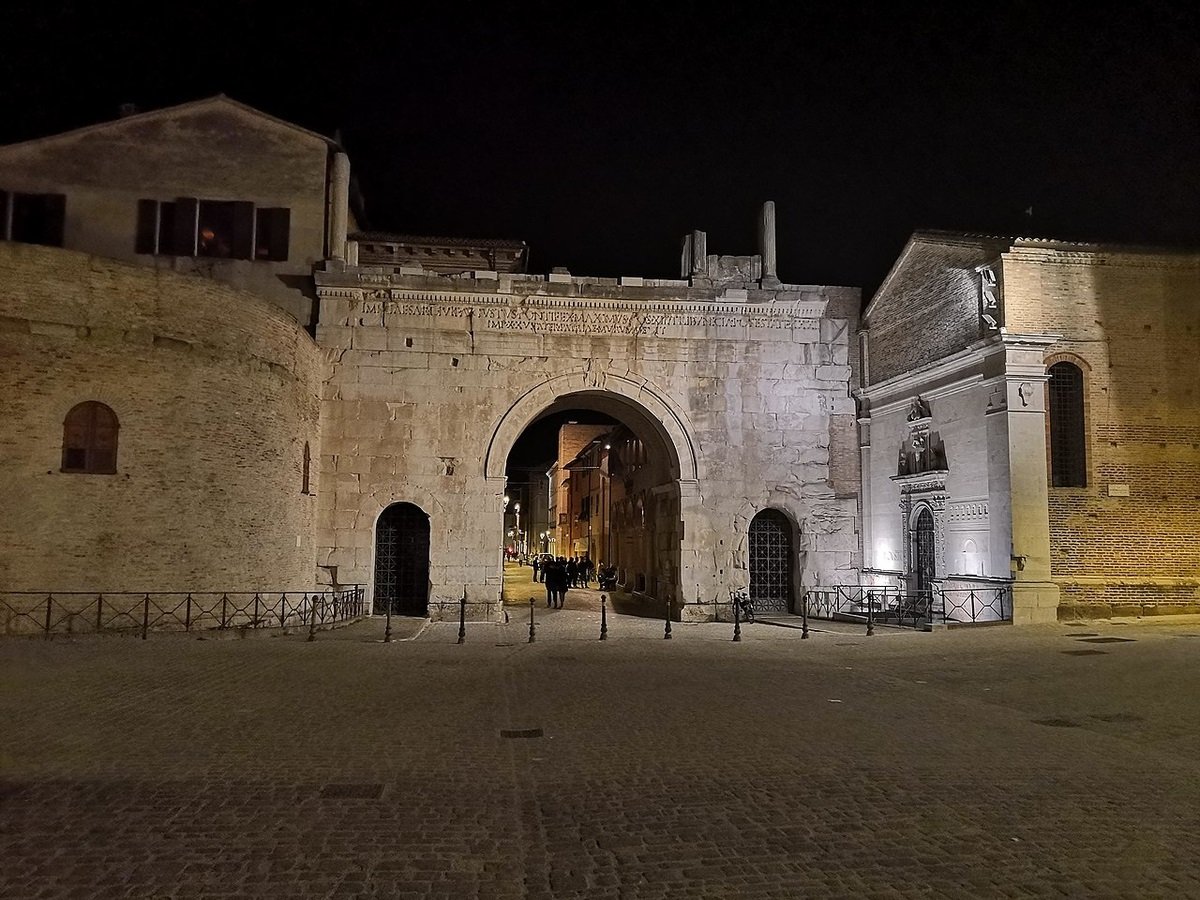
(307,466)
(90,439)
(1068,456)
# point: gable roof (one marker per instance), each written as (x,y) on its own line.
(217,101)
(950,247)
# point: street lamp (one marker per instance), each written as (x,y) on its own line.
(520,534)
(503,516)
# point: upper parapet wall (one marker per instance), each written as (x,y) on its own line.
(625,289)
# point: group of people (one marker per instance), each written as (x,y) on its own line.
(559,574)
(579,570)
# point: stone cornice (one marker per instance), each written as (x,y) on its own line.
(906,386)
(1099,255)
(797,301)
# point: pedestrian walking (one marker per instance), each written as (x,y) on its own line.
(549,578)
(556,582)
(536,564)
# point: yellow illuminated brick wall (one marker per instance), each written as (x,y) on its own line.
(1131,321)
(216,392)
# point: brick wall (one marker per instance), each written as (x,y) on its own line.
(216,392)
(1132,324)
(934,298)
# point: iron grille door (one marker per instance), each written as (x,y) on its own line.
(925,569)
(771,562)
(402,561)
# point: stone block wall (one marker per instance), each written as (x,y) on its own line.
(216,392)
(1131,322)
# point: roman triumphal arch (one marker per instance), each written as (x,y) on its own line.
(745,385)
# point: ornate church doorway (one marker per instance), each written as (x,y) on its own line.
(402,561)
(771,562)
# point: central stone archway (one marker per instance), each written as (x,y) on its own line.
(653,418)
(604,392)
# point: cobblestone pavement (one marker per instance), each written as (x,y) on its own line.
(998,762)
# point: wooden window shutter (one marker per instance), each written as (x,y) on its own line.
(243,230)
(147,227)
(56,217)
(183,241)
(90,439)
(272,238)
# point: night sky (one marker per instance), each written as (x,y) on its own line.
(601,133)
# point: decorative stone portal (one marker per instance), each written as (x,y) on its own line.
(402,561)
(740,387)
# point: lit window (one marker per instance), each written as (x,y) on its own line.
(222,229)
(90,439)
(1068,459)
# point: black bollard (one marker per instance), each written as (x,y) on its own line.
(387,628)
(804,616)
(870,614)
(603,618)
(532,627)
(667,632)
(737,618)
(312,617)
(462,618)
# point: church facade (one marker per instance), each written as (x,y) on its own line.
(1030,414)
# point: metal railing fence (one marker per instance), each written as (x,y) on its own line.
(890,605)
(49,613)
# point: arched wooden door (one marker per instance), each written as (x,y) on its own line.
(771,562)
(402,561)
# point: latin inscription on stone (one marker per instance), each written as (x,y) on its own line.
(578,321)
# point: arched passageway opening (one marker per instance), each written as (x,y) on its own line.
(596,480)
(402,561)
(772,543)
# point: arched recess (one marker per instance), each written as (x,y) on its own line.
(1067,427)
(400,581)
(771,540)
(623,397)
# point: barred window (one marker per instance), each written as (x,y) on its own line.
(90,439)
(1068,457)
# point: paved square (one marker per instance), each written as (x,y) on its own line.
(998,763)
